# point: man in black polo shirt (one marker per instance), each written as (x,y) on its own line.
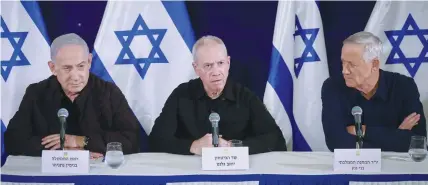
(98,111)
(183,126)
(392,111)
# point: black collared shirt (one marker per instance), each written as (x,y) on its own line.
(100,112)
(72,126)
(396,97)
(243,116)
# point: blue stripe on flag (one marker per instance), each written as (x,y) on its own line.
(3,152)
(98,68)
(318,4)
(33,10)
(282,82)
(178,12)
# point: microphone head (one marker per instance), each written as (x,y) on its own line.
(214,117)
(356,110)
(62,112)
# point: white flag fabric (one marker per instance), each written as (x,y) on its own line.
(24,54)
(144,53)
(403,28)
(298,70)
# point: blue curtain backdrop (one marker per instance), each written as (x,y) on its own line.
(246,28)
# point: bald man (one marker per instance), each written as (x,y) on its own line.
(183,126)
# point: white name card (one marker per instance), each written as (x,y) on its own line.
(225,158)
(65,161)
(357,160)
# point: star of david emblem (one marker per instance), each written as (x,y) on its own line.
(16,40)
(126,56)
(309,54)
(396,37)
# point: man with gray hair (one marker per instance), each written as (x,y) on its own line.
(183,126)
(392,113)
(98,111)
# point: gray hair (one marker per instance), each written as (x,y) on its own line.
(372,44)
(207,40)
(67,39)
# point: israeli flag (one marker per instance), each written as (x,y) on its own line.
(144,47)
(25,53)
(298,70)
(403,28)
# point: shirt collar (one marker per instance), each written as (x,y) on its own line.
(381,91)
(227,91)
(82,94)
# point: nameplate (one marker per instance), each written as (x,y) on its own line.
(357,160)
(225,158)
(65,161)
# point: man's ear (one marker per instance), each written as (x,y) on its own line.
(52,67)
(90,60)
(376,64)
(195,68)
(194,65)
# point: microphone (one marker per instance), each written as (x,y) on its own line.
(357,112)
(62,115)
(214,119)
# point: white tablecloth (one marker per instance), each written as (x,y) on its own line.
(161,164)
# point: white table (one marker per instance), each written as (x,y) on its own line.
(267,168)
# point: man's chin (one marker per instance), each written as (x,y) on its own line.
(350,84)
(218,87)
(76,90)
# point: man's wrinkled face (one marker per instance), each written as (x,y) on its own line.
(71,67)
(212,66)
(354,69)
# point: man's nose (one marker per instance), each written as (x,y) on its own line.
(74,75)
(345,70)
(216,73)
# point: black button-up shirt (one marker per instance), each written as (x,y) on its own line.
(72,125)
(396,97)
(100,112)
(243,116)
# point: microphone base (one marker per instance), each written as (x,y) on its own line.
(62,141)
(215,145)
(359,145)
